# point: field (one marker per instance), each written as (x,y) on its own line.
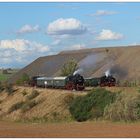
(4,77)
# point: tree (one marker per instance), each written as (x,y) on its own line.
(69,67)
(5,71)
(23,79)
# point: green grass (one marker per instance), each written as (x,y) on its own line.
(4,77)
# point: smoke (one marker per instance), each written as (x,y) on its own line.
(91,60)
(78,71)
(117,71)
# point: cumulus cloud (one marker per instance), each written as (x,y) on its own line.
(20,52)
(69,26)
(21,45)
(28,29)
(103,13)
(109,35)
(77,47)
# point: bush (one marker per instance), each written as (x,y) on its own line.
(91,105)
(34,94)
(28,105)
(1,87)
(16,106)
(9,88)
(125,108)
(24,79)
(24,92)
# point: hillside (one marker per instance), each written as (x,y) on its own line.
(123,63)
(47,104)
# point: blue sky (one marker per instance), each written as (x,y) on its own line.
(31,30)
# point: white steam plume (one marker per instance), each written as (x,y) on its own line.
(107,73)
(79,71)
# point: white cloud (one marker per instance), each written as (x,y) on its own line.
(21,45)
(77,47)
(69,26)
(20,51)
(28,29)
(109,35)
(56,42)
(103,13)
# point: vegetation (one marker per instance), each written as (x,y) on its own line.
(16,106)
(28,105)
(91,105)
(24,92)
(9,88)
(24,79)
(34,94)
(5,76)
(69,67)
(1,87)
(125,108)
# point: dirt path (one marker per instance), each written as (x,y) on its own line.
(87,129)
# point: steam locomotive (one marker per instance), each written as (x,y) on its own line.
(70,82)
(101,81)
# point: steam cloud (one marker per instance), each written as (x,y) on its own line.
(79,71)
(89,63)
(107,73)
(117,71)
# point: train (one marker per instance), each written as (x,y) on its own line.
(72,82)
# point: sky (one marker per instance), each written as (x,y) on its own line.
(35,29)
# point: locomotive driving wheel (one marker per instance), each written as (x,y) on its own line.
(70,86)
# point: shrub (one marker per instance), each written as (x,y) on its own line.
(28,105)
(9,88)
(24,79)
(125,108)
(91,105)
(1,87)
(24,92)
(34,94)
(16,106)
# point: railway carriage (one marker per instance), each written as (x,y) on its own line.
(70,82)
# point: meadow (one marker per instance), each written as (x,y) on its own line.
(4,77)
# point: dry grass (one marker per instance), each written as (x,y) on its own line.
(50,103)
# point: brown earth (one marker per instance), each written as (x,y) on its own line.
(70,130)
(123,60)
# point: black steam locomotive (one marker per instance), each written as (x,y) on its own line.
(70,82)
(100,81)
(107,81)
